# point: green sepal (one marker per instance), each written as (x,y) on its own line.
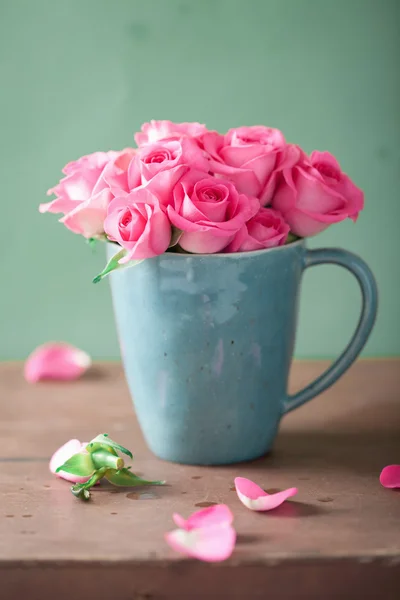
(92,241)
(175,237)
(125,478)
(180,250)
(80,464)
(81,490)
(114,264)
(81,493)
(103,442)
(292,238)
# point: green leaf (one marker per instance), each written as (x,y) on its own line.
(80,464)
(125,478)
(103,442)
(114,264)
(175,236)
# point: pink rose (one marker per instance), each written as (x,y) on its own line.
(248,156)
(166,130)
(266,229)
(84,194)
(315,193)
(118,175)
(138,223)
(159,166)
(209,211)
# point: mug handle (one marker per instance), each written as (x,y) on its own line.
(369,292)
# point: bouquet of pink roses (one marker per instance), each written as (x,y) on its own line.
(188,189)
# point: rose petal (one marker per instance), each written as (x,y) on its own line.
(180,521)
(62,455)
(390,476)
(205,242)
(210,544)
(56,361)
(211,516)
(159,130)
(87,218)
(255,498)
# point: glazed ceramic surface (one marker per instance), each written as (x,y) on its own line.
(207,342)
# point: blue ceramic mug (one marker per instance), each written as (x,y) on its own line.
(207,342)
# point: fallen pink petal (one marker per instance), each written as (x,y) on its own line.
(255,498)
(214,543)
(56,362)
(220,514)
(207,534)
(390,476)
(62,455)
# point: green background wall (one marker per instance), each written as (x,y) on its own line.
(82,75)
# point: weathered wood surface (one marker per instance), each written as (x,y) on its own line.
(339,537)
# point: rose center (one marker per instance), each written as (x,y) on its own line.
(126,219)
(265,140)
(131,224)
(158,157)
(247,140)
(211,195)
(327,171)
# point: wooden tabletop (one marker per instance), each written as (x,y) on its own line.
(340,536)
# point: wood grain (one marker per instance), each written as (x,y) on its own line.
(337,538)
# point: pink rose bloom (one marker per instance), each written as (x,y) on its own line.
(84,194)
(159,166)
(210,212)
(315,193)
(266,229)
(247,156)
(118,175)
(166,130)
(138,223)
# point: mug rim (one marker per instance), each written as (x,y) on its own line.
(300,242)
(248,254)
